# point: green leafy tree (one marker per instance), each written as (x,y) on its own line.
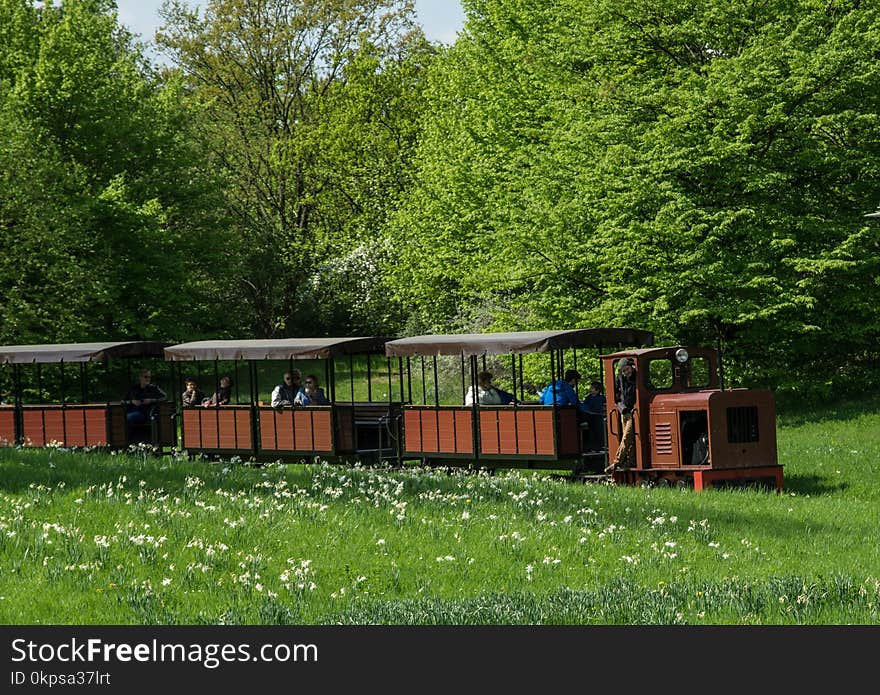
(106,222)
(697,169)
(309,109)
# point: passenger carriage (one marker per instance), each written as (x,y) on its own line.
(82,413)
(362,426)
(521,435)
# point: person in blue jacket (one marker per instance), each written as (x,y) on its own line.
(563,390)
(311,393)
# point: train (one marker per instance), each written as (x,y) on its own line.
(401,401)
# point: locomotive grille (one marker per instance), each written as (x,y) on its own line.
(663,438)
(742,424)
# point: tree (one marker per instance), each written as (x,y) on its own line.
(309,108)
(105,227)
(696,169)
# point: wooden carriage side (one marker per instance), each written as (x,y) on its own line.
(520,434)
(76,424)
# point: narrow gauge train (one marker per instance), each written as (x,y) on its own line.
(688,428)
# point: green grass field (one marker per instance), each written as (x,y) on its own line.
(88,538)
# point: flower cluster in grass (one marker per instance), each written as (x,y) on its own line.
(91,538)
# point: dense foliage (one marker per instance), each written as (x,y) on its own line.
(317,167)
(106,229)
(698,169)
(309,108)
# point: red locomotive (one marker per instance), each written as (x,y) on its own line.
(689,429)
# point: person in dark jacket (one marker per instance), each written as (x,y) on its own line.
(285,392)
(222,395)
(625,398)
(192,396)
(594,404)
(142,400)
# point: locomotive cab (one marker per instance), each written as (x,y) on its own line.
(686,426)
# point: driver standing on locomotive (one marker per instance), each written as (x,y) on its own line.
(625,398)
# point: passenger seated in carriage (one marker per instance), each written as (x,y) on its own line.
(222,395)
(142,400)
(594,405)
(286,391)
(192,396)
(487,392)
(562,392)
(311,393)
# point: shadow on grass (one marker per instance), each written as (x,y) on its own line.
(813,485)
(78,470)
(794,414)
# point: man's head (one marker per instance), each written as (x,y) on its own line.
(572,376)
(293,378)
(145,377)
(225,382)
(484,379)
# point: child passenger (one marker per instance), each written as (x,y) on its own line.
(222,395)
(192,396)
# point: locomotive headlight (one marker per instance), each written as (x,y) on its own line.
(681,355)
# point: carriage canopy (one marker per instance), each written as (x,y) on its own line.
(520,342)
(275,349)
(78,352)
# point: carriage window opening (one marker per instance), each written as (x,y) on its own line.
(699,373)
(659,375)
(742,424)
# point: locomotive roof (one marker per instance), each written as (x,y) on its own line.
(669,349)
(78,352)
(275,349)
(517,342)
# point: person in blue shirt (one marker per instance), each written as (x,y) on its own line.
(563,390)
(311,393)
(594,404)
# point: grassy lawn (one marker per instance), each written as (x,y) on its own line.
(91,538)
